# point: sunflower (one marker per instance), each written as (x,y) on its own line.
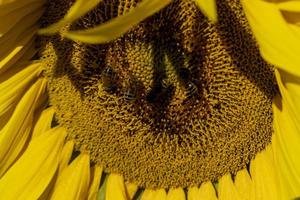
(149,99)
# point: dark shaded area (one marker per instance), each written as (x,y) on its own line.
(138,194)
(172,46)
(158,99)
(236,36)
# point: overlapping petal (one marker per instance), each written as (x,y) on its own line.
(66,155)
(286,147)
(279,41)
(227,190)
(94,186)
(25,28)
(13,86)
(244,185)
(73,182)
(28,177)
(16,15)
(131,190)
(64,159)
(205,191)
(264,175)
(44,122)
(17,31)
(21,52)
(8,6)
(16,132)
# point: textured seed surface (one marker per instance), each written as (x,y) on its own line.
(174,102)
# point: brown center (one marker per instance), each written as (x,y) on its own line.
(174,102)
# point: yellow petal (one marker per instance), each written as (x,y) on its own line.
(16,45)
(226,189)
(16,132)
(119,25)
(66,155)
(131,189)
(154,194)
(44,122)
(4,118)
(8,6)
(12,87)
(30,175)
(209,8)
(207,191)
(279,43)
(24,28)
(17,15)
(48,191)
(97,174)
(243,184)
(23,52)
(193,193)
(80,8)
(289,6)
(73,183)
(176,194)
(16,42)
(264,175)
(286,148)
(289,86)
(115,188)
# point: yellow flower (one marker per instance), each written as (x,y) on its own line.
(40,159)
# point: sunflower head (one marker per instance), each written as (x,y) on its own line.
(147,99)
(175,97)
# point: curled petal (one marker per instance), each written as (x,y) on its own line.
(119,25)
(80,8)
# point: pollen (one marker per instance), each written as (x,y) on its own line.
(174,102)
